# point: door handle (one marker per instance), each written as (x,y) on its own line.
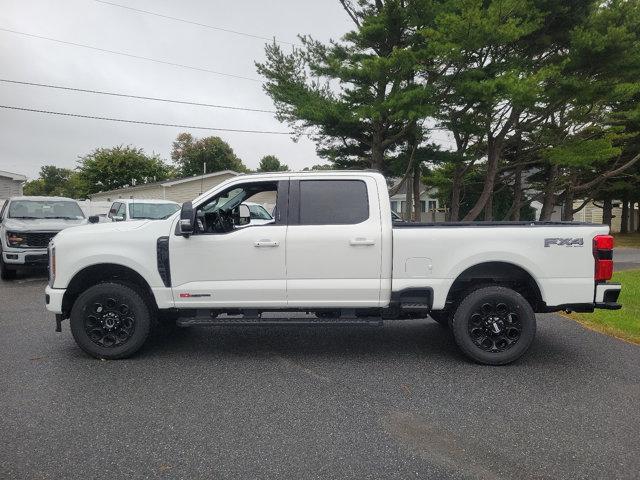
(354,242)
(265,243)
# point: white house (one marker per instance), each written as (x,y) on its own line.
(11,184)
(429,204)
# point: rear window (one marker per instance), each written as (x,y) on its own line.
(333,202)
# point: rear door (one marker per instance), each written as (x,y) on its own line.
(334,244)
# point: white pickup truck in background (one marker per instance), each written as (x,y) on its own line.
(332,250)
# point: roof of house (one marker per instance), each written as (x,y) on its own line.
(403,189)
(168,183)
(13,176)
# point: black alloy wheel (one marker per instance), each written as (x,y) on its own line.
(111,320)
(494,325)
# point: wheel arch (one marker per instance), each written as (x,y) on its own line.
(498,273)
(100,273)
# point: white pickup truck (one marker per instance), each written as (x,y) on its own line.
(332,251)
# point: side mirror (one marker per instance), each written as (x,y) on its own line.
(118,218)
(244,214)
(94,219)
(187,219)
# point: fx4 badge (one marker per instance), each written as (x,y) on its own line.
(567,242)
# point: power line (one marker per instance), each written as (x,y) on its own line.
(130,55)
(191,22)
(140,97)
(140,122)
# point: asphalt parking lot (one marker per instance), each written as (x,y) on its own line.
(352,402)
(626,258)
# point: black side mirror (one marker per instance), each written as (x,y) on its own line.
(187,219)
(94,219)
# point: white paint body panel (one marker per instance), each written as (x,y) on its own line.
(563,274)
(316,266)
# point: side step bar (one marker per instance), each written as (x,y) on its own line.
(276,322)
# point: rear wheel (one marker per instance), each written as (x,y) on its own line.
(494,325)
(6,273)
(110,320)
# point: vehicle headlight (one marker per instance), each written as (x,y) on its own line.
(15,239)
(52,265)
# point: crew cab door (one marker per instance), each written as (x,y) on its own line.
(334,242)
(241,267)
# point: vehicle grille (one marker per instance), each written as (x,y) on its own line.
(38,239)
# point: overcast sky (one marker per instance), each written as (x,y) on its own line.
(30,140)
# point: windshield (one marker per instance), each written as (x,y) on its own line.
(258,212)
(152,211)
(37,209)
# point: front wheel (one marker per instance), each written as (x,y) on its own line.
(494,325)
(110,320)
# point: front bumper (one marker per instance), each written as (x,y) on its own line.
(53,299)
(32,257)
(607,296)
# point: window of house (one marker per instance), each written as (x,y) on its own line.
(433,205)
(423,206)
(394,206)
(333,202)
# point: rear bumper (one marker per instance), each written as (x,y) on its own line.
(607,296)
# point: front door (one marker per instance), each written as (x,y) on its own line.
(225,264)
(334,244)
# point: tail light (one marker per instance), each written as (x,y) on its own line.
(603,254)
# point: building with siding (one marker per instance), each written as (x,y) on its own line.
(11,184)
(178,190)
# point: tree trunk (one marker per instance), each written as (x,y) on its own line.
(416,194)
(567,208)
(549,200)
(624,219)
(456,187)
(488,209)
(494,151)
(377,154)
(408,202)
(517,194)
(607,211)
(632,216)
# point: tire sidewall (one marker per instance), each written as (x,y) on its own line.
(495,294)
(138,306)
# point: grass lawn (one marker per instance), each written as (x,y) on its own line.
(625,323)
(627,239)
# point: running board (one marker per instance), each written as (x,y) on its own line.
(277,322)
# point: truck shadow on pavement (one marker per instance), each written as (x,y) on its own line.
(421,339)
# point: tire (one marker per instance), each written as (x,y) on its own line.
(442,317)
(494,325)
(6,273)
(110,321)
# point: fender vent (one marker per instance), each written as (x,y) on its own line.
(163,260)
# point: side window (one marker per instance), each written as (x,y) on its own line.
(113,209)
(222,213)
(122,211)
(333,202)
